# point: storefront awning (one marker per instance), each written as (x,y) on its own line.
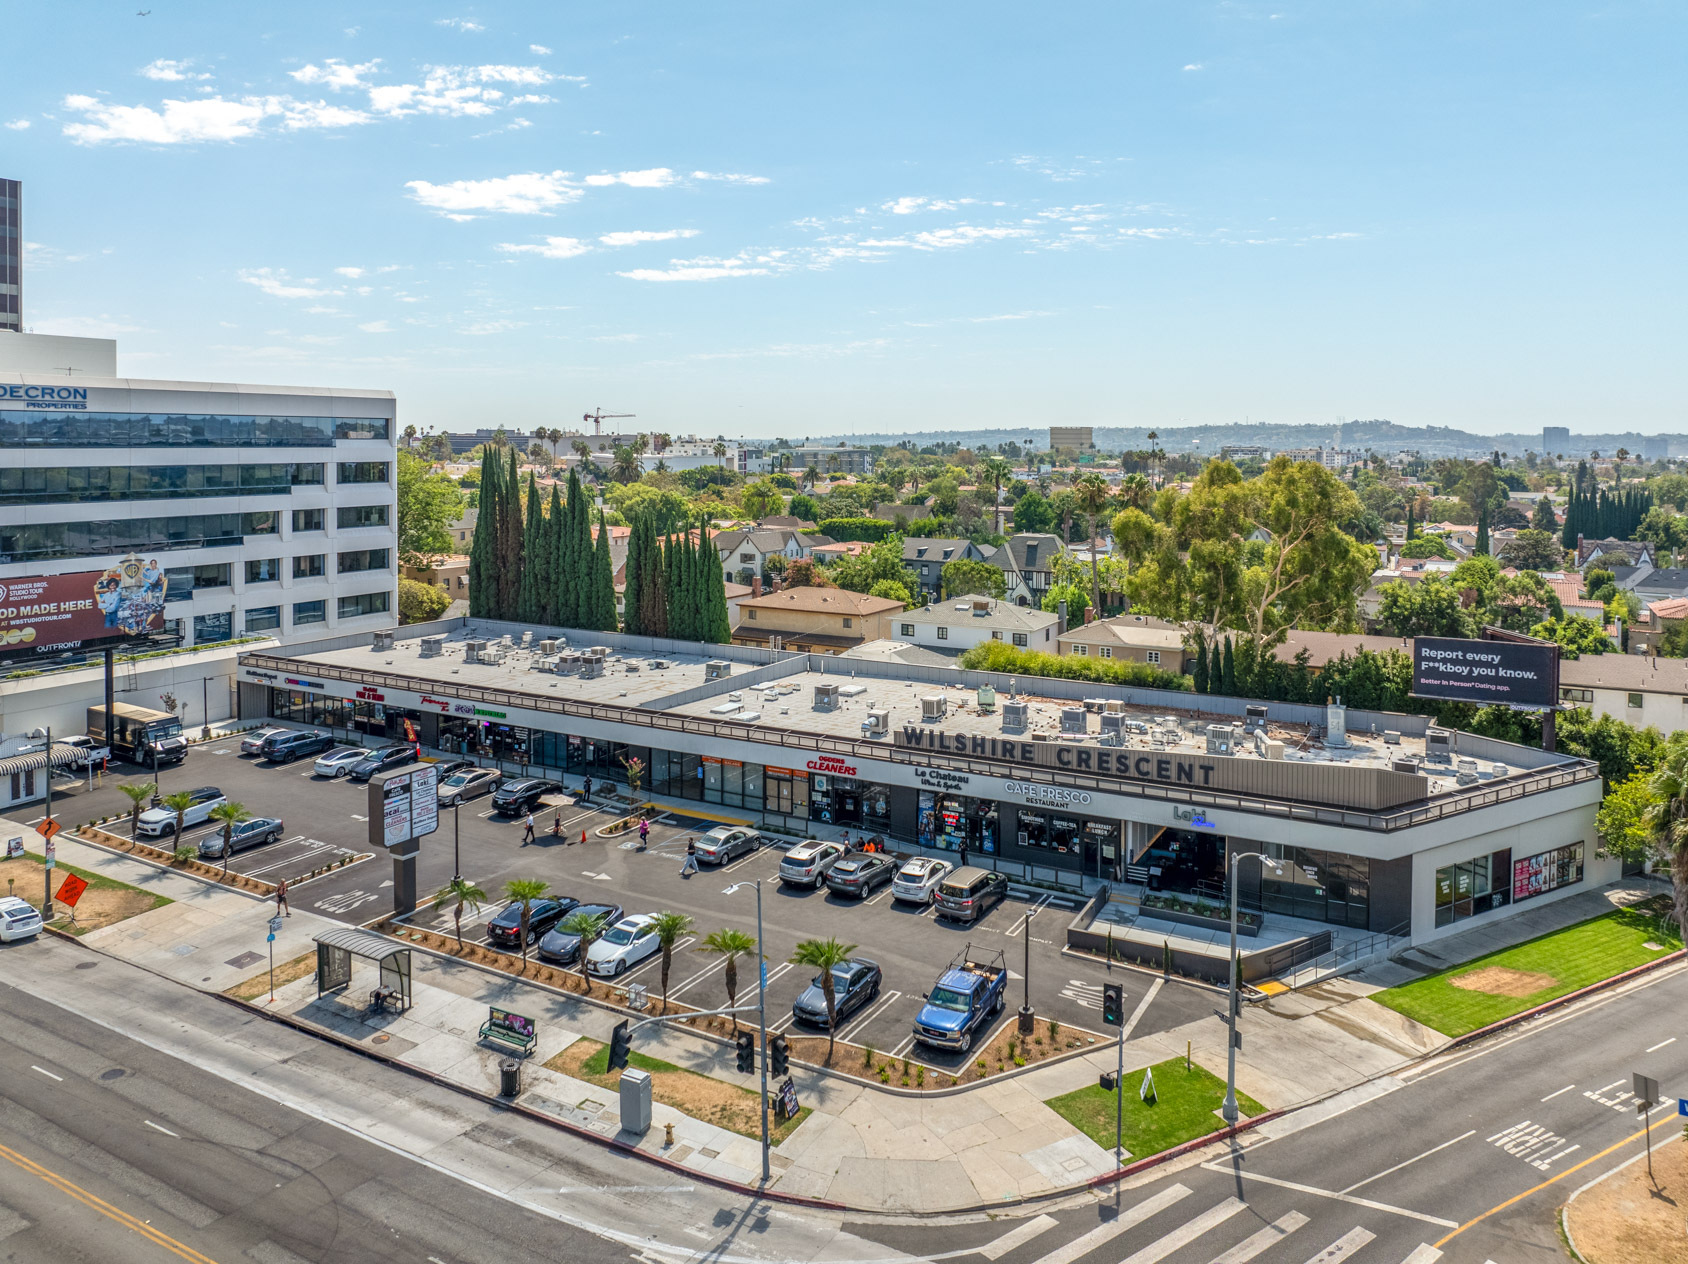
(63,757)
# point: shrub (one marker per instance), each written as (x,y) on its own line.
(1054,1031)
(867,1055)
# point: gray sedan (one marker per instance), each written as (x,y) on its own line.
(254,833)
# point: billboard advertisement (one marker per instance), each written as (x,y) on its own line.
(1487,673)
(54,612)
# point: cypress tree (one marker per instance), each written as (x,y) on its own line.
(632,621)
(546,559)
(603,580)
(1409,522)
(718,625)
(533,548)
(1216,668)
(1228,670)
(685,606)
(567,565)
(509,541)
(580,522)
(483,553)
(1482,531)
(1199,668)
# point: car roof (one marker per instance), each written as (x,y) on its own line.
(15,902)
(725,831)
(636,919)
(208,791)
(967,874)
(921,864)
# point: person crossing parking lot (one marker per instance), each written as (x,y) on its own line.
(527,829)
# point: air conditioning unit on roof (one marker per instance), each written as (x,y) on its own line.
(934,707)
(1014,716)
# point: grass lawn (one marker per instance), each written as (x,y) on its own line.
(714,1102)
(1184,1108)
(1480,992)
(104,902)
(286,972)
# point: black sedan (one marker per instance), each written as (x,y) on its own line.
(859,872)
(380,760)
(854,984)
(563,947)
(524,795)
(506,929)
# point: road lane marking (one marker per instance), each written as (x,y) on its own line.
(1556,1092)
(1111,1229)
(1344,1246)
(1662,1044)
(1017,1237)
(160,1128)
(1225,1166)
(1255,1243)
(1142,1007)
(1520,1139)
(1186,1233)
(1386,1171)
(44,1071)
(872,1011)
(1423,1254)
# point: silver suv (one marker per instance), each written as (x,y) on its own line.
(806,864)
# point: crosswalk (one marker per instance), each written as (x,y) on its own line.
(1229,1227)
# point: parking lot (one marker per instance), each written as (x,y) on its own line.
(328,819)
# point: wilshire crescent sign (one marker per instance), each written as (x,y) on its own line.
(1488,673)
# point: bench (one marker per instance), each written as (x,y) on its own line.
(513,1031)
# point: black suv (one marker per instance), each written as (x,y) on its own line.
(284,748)
(379,760)
(506,928)
(522,795)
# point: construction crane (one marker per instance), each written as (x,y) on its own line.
(598,417)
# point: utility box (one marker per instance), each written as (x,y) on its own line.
(1075,720)
(826,697)
(1014,716)
(635,1101)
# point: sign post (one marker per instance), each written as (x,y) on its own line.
(1646,1097)
(275,925)
(404,807)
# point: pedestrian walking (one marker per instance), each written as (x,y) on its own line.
(586,791)
(527,830)
(281,898)
(964,855)
(556,822)
(644,833)
(690,867)
(846,840)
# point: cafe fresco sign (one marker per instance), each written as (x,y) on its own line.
(1046,796)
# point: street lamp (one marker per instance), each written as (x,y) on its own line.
(1028,1018)
(456,837)
(761,1013)
(47,872)
(1228,1111)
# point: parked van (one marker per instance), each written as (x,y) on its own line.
(289,745)
(139,735)
(969,893)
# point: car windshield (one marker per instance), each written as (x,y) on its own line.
(619,935)
(948,998)
(457,779)
(840,974)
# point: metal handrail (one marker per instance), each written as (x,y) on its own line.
(1531,781)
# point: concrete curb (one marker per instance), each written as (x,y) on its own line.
(1559,1001)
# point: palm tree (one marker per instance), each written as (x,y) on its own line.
(527,890)
(731,944)
(996,469)
(720,451)
(824,955)
(179,803)
(582,449)
(137,792)
(1668,820)
(670,929)
(810,474)
(463,892)
(588,927)
(625,468)
(1154,453)
(1092,493)
(536,451)
(229,815)
(1135,491)
(409,435)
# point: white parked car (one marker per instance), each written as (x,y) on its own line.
(18,919)
(338,762)
(916,880)
(93,750)
(157,822)
(627,943)
(725,843)
(805,865)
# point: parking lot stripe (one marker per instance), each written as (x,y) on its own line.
(1025,921)
(872,1011)
(718,964)
(903,1048)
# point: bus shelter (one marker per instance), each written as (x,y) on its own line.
(335,950)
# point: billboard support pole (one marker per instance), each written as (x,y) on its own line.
(110,692)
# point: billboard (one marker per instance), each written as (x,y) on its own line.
(1487,673)
(55,612)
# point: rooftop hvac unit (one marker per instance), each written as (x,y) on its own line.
(1112,725)
(604,650)
(1128,725)
(851,691)
(548,646)
(432,646)
(1096,704)
(591,666)
(1014,715)
(934,707)
(472,651)
(1336,725)
(1405,763)
(568,660)
(1075,719)
(1464,778)
(1391,737)
(717,669)
(987,698)
(826,697)
(1266,747)
(632,667)
(1219,739)
(660,664)
(1438,745)
(527,638)
(384,639)
(1254,716)
(1116,706)
(877,724)
(1466,765)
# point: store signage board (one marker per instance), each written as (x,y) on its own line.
(404,805)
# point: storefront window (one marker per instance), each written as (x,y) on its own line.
(1323,886)
(1472,886)
(1547,871)
(953,821)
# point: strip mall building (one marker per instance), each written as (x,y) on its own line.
(1385,823)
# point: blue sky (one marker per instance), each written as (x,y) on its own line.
(796,219)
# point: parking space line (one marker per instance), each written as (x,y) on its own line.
(880,896)
(784,1023)
(655,959)
(718,964)
(1025,921)
(742,861)
(903,1048)
(872,1011)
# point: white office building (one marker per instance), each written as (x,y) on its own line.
(270,509)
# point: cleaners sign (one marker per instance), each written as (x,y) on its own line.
(1488,673)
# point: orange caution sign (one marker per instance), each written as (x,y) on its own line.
(70,890)
(48,828)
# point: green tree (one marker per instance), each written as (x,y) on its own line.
(137,792)
(803,507)
(1622,821)
(963,576)
(510,528)
(670,929)
(550,581)
(761,499)
(526,891)
(1077,599)
(1228,671)
(426,507)
(528,600)
(569,565)
(824,955)
(1093,493)
(891,590)
(1576,636)
(587,927)
(179,803)
(1032,513)
(1532,550)
(603,581)
(483,553)
(730,945)
(1423,546)
(1667,820)
(419,602)
(1542,517)
(228,815)
(882,561)
(459,892)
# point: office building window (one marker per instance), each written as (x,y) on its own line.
(213,627)
(263,619)
(363,472)
(308,474)
(309,612)
(28,542)
(307,520)
(264,522)
(362,516)
(362,604)
(310,566)
(363,560)
(48,429)
(82,484)
(181,582)
(263,570)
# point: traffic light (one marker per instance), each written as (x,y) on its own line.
(621,1044)
(746,1052)
(1109,1081)
(779,1056)
(1113,1004)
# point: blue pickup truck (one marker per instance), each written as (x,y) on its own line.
(963,1002)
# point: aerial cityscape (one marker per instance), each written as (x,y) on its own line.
(908,633)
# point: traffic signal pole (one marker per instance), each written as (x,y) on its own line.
(1119,1101)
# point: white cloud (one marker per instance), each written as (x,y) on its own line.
(481,329)
(460,24)
(298,115)
(550,248)
(170,71)
(652,178)
(909,205)
(708,269)
(39,256)
(729,177)
(989,320)
(180,122)
(539,50)
(18,125)
(376,327)
(636,236)
(353,273)
(458,90)
(335,74)
(277,284)
(1195,65)
(529,193)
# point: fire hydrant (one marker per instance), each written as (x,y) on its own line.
(668,1135)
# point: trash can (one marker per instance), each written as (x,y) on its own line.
(509,1077)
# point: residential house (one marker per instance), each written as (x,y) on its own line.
(1609,553)
(1651,583)
(463,531)
(814,620)
(1640,689)
(1656,619)
(974,620)
(827,554)
(1131,638)
(745,554)
(902,515)
(1027,561)
(450,573)
(1568,588)
(926,557)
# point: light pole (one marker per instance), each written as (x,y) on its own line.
(47,871)
(1228,1111)
(456,837)
(761,1014)
(1028,1019)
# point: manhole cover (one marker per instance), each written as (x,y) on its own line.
(184,950)
(245,959)
(86,965)
(382,1039)
(116,1073)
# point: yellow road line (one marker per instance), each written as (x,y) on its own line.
(122,1217)
(1593,1158)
